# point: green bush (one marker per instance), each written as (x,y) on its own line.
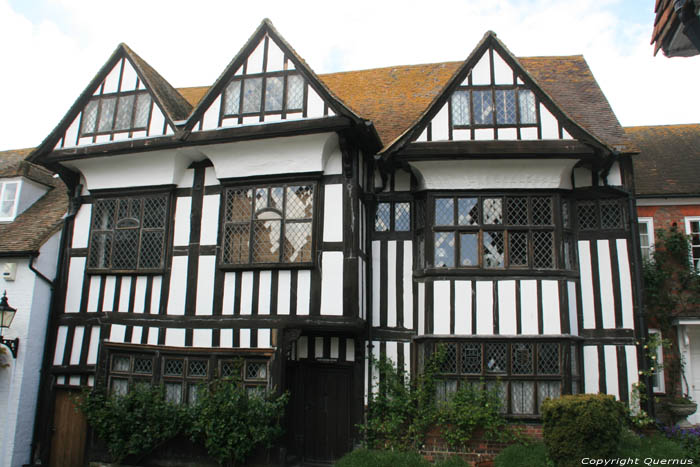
(454,461)
(231,423)
(655,447)
(135,423)
(374,458)
(471,408)
(583,425)
(524,455)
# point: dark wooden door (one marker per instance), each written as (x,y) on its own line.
(69,432)
(321,405)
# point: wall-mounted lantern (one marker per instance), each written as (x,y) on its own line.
(7,314)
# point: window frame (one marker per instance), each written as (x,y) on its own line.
(98,196)
(649,223)
(493,88)
(15,203)
(316,218)
(658,376)
(688,231)
(566,377)
(559,233)
(99,99)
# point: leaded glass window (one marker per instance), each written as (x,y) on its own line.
(392,217)
(524,372)
(268,224)
(272,93)
(128,234)
(115,113)
(496,106)
(494,232)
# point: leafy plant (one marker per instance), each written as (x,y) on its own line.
(687,438)
(377,458)
(524,455)
(232,423)
(135,423)
(649,447)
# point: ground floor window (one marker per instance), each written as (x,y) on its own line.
(524,372)
(182,373)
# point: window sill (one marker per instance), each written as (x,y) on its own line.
(265,266)
(505,273)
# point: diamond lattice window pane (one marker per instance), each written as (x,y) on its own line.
(493,211)
(469,249)
(232,98)
(565,215)
(587,214)
(107,113)
(610,214)
(236,243)
(295,92)
(471,358)
(297,242)
(548,359)
(125,110)
(119,387)
(154,210)
(261,199)
(276,197)
(517,210)
(541,210)
(574,361)
(444,249)
(173,367)
(382,218)
(528,113)
(197,368)
(402,217)
(273,93)
(444,211)
(568,253)
(493,250)
(125,248)
(460,108)
(100,250)
(300,201)
(89,118)
(542,249)
(256,370)
(120,363)
(495,358)
(468,211)
(449,364)
(521,359)
(252,95)
(517,248)
(192,393)
(143,110)
(522,397)
(483,107)
(505,106)
(547,390)
(143,365)
(103,214)
(123,210)
(266,241)
(173,392)
(230,369)
(239,205)
(151,252)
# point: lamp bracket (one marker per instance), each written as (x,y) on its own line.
(11,344)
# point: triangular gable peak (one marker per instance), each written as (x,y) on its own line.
(119,104)
(492,97)
(266,82)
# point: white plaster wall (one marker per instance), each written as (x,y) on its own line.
(495,174)
(332,283)
(19,383)
(297,154)
(333,213)
(29,192)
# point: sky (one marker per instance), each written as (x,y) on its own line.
(51,49)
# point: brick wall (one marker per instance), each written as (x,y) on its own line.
(479,451)
(665,216)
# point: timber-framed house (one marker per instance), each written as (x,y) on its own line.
(303,223)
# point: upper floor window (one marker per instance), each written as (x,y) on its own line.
(493,106)
(270,224)
(9,195)
(393,217)
(692,228)
(604,214)
(113,113)
(646,236)
(494,232)
(128,234)
(271,93)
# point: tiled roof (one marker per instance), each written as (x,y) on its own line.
(669,159)
(176,105)
(34,226)
(394,97)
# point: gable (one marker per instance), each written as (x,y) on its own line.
(491,101)
(121,107)
(266,82)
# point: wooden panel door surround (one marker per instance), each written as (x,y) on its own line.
(69,432)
